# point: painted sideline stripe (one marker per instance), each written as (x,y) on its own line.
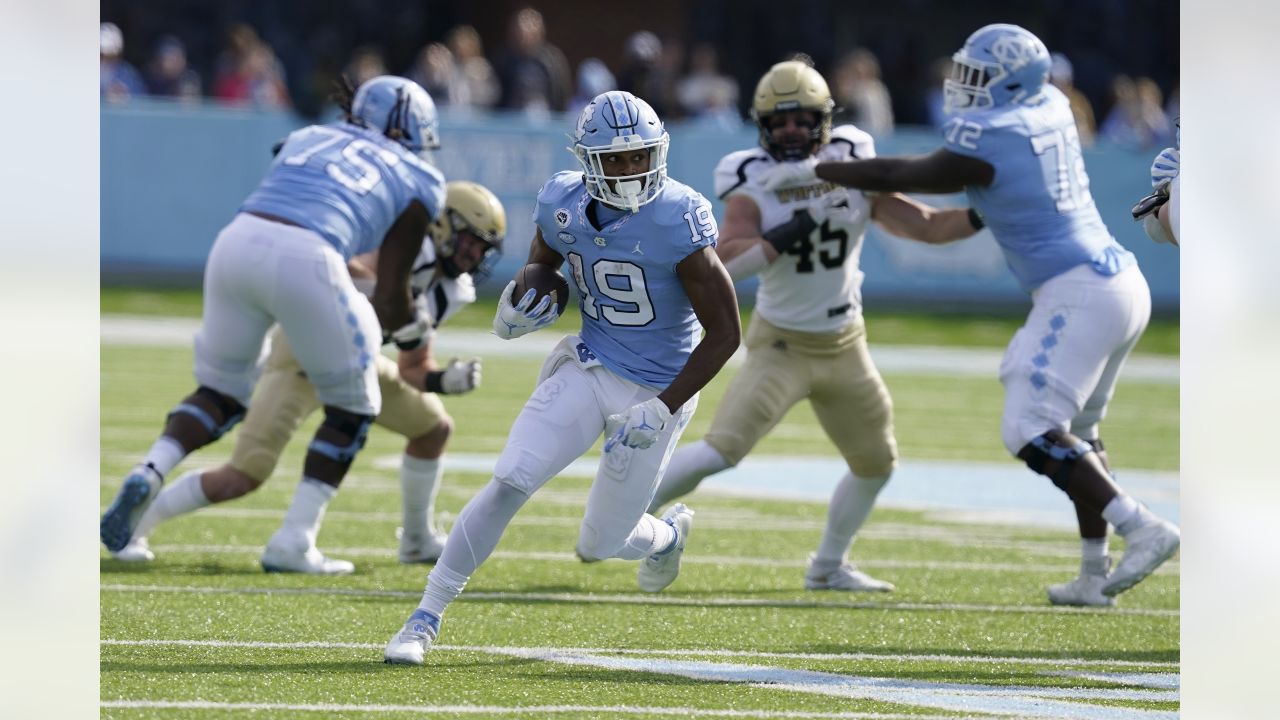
(648,599)
(718,560)
(903,658)
(499,710)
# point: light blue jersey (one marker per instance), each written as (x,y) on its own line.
(636,317)
(1038,206)
(347,183)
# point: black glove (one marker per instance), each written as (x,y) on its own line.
(790,232)
(1152,202)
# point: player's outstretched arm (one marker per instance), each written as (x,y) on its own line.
(915,220)
(714,301)
(941,171)
(391,298)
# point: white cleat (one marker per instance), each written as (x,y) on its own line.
(136,493)
(137,551)
(845,577)
(660,569)
(416,548)
(1145,550)
(410,643)
(277,558)
(1084,591)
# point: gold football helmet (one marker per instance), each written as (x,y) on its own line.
(792,85)
(472,208)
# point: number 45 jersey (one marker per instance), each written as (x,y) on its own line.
(816,286)
(636,317)
(1038,207)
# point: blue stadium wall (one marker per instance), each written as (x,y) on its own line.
(172,175)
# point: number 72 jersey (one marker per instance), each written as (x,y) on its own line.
(1038,207)
(636,318)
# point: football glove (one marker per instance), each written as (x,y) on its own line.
(1165,166)
(412,334)
(514,321)
(789,174)
(638,426)
(460,377)
(1152,202)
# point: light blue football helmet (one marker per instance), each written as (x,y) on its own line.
(613,122)
(400,109)
(999,64)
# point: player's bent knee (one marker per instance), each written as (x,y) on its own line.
(1055,455)
(216,411)
(341,436)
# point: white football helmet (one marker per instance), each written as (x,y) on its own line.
(614,122)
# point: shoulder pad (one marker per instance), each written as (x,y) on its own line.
(734,169)
(852,143)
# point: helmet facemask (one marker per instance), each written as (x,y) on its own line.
(449,249)
(628,191)
(819,135)
(969,87)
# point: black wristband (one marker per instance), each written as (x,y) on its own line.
(790,232)
(434,382)
(975,220)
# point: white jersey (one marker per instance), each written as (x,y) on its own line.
(816,286)
(444,295)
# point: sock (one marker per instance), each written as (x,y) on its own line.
(419,483)
(650,536)
(164,455)
(302,519)
(687,467)
(475,534)
(1093,556)
(179,497)
(851,503)
(1126,514)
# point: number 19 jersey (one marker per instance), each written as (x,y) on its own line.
(816,286)
(636,317)
(1038,206)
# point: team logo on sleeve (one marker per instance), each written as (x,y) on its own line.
(562,217)
(566,238)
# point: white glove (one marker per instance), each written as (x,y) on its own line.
(460,377)
(411,334)
(1165,166)
(638,426)
(789,174)
(514,321)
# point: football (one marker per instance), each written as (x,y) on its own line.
(544,279)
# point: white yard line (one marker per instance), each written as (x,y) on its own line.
(616,599)
(686,652)
(1170,568)
(602,710)
(896,359)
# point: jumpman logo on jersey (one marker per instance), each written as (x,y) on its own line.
(637,250)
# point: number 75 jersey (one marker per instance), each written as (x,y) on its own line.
(636,318)
(816,286)
(1038,207)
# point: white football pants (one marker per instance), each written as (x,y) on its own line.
(1059,371)
(260,272)
(562,420)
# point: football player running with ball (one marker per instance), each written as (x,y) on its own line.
(807,337)
(640,247)
(466,240)
(334,191)
(1012,145)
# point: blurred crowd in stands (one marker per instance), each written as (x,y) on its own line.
(235,61)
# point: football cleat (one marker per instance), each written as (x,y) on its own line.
(415,548)
(279,558)
(410,643)
(138,550)
(1145,550)
(1084,591)
(136,493)
(844,577)
(661,568)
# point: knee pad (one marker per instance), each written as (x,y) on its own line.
(229,408)
(1055,455)
(346,424)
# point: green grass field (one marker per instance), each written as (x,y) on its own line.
(203,633)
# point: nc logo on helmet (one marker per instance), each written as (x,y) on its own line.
(1013,52)
(587,113)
